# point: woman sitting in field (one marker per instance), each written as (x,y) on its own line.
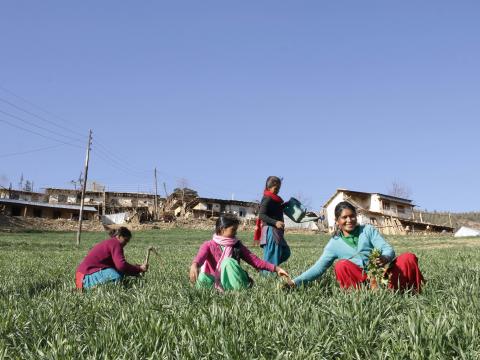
(106,262)
(218,260)
(351,245)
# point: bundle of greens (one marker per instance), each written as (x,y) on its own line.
(377,275)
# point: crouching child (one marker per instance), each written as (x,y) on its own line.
(217,263)
(105,262)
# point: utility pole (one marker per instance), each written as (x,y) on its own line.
(84,188)
(165,188)
(156,195)
(104,210)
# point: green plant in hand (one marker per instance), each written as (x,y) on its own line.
(376,273)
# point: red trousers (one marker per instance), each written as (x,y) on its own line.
(404,271)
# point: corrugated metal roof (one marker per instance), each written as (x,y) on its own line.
(228,202)
(47,205)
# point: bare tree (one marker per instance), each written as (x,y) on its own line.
(28,186)
(400,190)
(182,185)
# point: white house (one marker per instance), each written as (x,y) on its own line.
(390,214)
(112,201)
(372,208)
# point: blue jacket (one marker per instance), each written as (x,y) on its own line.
(337,248)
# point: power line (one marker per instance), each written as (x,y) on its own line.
(36,133)
(109,155)
(38,126)
(115,165)
(117,158)
(103,155)
(35,115)
(42,109)
(30,151)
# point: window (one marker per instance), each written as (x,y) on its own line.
(401,209)
(16,211)
(209,207)
(386,205)
(241,212)
(62,198)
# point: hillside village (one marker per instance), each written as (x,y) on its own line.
(184,207)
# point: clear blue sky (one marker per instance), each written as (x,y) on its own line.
(327,94)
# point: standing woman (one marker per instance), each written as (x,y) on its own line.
(351,245)
(270,226)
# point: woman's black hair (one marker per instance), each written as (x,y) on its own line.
(273,181)
(338,211)
(342,206)
(225,221)
(123,232)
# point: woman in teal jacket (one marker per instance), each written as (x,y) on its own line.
(351,245)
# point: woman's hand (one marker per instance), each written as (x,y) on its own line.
(280,225)
(381,261)
(289,284)
(144,267)
(194,270)
(281,272)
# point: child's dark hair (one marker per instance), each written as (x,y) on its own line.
(121,231)
(273,181)
(342,206)
(225,221)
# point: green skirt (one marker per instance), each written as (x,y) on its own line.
(232,277)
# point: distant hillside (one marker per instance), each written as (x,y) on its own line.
(471,219)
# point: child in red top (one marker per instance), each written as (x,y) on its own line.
(106,262)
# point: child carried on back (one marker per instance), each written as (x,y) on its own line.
(217,263)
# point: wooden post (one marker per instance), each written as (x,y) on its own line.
(450,219)
(156,196)
(84,188)
(104,211)
(421,220)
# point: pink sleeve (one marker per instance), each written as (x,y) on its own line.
(202,253)
(120,263)
(253,260)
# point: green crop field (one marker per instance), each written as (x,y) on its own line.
(162,316)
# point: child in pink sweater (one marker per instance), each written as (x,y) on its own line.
(218,260)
